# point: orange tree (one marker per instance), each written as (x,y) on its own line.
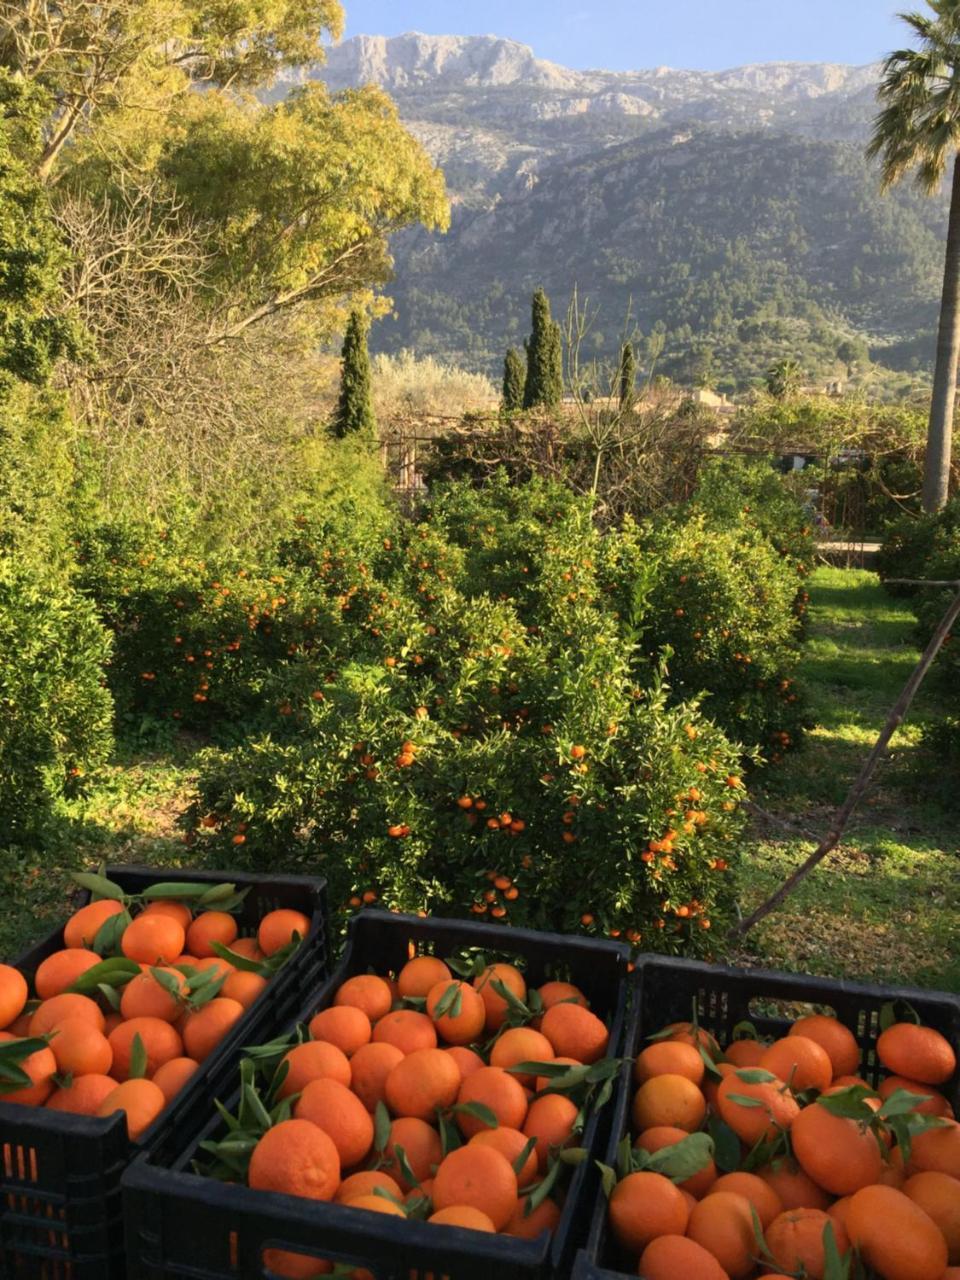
(477,751)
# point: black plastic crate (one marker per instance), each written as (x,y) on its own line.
(182,1225)
(665,991)
(60,1202)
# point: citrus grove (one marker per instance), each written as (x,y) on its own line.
(776,1160)
(144,989)
(425,1096)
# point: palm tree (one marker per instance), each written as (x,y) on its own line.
(919,130)
(783,379)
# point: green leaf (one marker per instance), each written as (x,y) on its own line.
(138,1059)
(684,1159)
(189,890)
(243,963)
(450,1003)
(480,1111)
(98,885)
(381,1128)
(449,1134)
(624,1156)
(115,972)
(107,939)
(387,1195)
(744,1030)
(167,981)
(898,1011)
(744,1101)
(755,1075)
(216,893)
(726,1145)
(514,1004)
(849,1103)
(836,1267)
(403,1164)
(608,1178)
(902,1102)
(111,995)
(528,1148)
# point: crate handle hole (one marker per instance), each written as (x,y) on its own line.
(766,1007)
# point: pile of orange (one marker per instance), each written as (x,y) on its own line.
(430,1061)
(809,1158)
(133,1046)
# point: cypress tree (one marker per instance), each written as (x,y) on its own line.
(628,377)
(514,377)
(544,384)
(355,407)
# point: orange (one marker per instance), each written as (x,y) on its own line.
(296,1158)
(377,1204)
(83,1096)
(527,1226)
(59,971)
(462,1215)
(370,1066)
(550,1120)
(145,997)
(778,1107)
(644,1206)
(420,974)
(669,1100)
(494,1003)
(723,1224)
(552,993)
(178,911)
(160,1041)
(152,939)
(673,1256)
(343,1025)
(836,1040)
(421,1146)
(670,1257)
(745,1053)
(800,1063)
(70,1005)
(687,1034)
(367,992)
(669,1057)
(480,1177)
(664,1135)
(510,1143)
(142,1101)
(173,1075)
(938,1195)
(460,1025)
(937,1150)
(521,1044)
(838,1154)
(753,1189)
(80,1049)
(919,1053)
(364,1184)
(315,1060)
(710,1085)
(423,1082)
(84,925)
(206,1027)
(895,1236)
(794,1187)
(575,1032)
(295,1266)
(497,1089)
(245,988)
(466,1059)
(795,1240)
(933,1104)
(208,927)
(40,1067)
(277,930)
(407,1029)
(341,1115)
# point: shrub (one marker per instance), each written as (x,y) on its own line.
(914,545)
(55,725)
(521,777)
(404,384)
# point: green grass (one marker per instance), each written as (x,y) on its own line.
(882,906)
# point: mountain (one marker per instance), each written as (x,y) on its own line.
(734,208)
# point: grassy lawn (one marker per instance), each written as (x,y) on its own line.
(883,905)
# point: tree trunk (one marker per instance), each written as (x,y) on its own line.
(936,477)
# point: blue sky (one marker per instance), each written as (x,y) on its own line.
(626,34)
